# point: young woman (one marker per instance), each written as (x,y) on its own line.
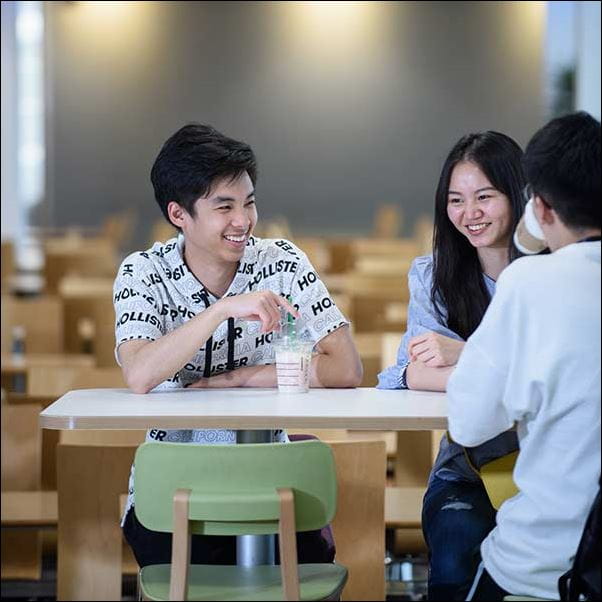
(479,201)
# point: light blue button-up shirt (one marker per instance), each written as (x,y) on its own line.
(422,317)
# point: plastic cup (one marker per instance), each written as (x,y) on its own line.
(292,365)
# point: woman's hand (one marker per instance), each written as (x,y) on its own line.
(260,306)
(434,350)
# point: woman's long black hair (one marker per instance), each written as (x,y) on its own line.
(458,287)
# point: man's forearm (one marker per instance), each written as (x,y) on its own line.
(424,378)
(330,370)
(161,359)
(325,371)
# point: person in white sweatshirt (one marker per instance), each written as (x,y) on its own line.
(534,363)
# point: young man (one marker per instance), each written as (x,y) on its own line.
(534,362)
(200,309)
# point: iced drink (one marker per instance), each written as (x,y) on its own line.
(293,356)
(292,365)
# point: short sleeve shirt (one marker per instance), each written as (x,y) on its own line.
(155,293)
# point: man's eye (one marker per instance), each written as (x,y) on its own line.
(250,202)
(223,208)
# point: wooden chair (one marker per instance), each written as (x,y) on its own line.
(8,264)
(388,221)
(89,317)
(161,231)
(79,256)
(91,479)
(317,252)
(41,319)
(47,384)
(21,465)
(423,234)
(118,227)
(384,248)
(359,524)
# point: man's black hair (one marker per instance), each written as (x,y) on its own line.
(562,165)
(193,161)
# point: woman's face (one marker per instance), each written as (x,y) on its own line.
(478,210)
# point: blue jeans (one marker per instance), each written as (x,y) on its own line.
(456,517)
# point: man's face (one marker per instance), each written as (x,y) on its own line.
(223,222)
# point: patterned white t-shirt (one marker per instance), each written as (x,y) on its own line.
(155,293)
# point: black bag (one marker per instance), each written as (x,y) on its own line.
(582,580)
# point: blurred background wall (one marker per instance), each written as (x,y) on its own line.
(348,105)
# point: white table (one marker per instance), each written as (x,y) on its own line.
(360,409)
(247,410)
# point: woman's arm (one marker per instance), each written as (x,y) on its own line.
(423,378)
(423,319)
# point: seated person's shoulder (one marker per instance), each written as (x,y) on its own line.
(158,257)
(277,247)
(423,263)
(421,269)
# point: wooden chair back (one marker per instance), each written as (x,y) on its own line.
(91,479)
(7,263)
(416,450)
(359,524)
(161,231)
(89,317)
(41,318)
(78,256)
(388,221)
(317,252)
(21,467)
(48,384)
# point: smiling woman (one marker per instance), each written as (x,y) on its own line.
(479,201)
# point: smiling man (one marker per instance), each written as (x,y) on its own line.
(199,310)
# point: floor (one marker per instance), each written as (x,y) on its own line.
(406,580)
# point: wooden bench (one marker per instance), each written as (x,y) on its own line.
(29,509)
(403,507)
(403,514)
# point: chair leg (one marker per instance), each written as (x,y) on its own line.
(180,553)
(139,596)
(288,545)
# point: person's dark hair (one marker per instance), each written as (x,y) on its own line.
(458,288)
(193,160)
(562,166)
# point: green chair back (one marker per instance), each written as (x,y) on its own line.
(233,487)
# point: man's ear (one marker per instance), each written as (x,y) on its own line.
(543,212)
(176,214)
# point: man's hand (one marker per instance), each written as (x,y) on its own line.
(434,350)
(261,306)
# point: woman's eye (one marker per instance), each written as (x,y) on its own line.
(484,197)
(455,201)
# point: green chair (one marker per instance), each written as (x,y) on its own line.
(251,489)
